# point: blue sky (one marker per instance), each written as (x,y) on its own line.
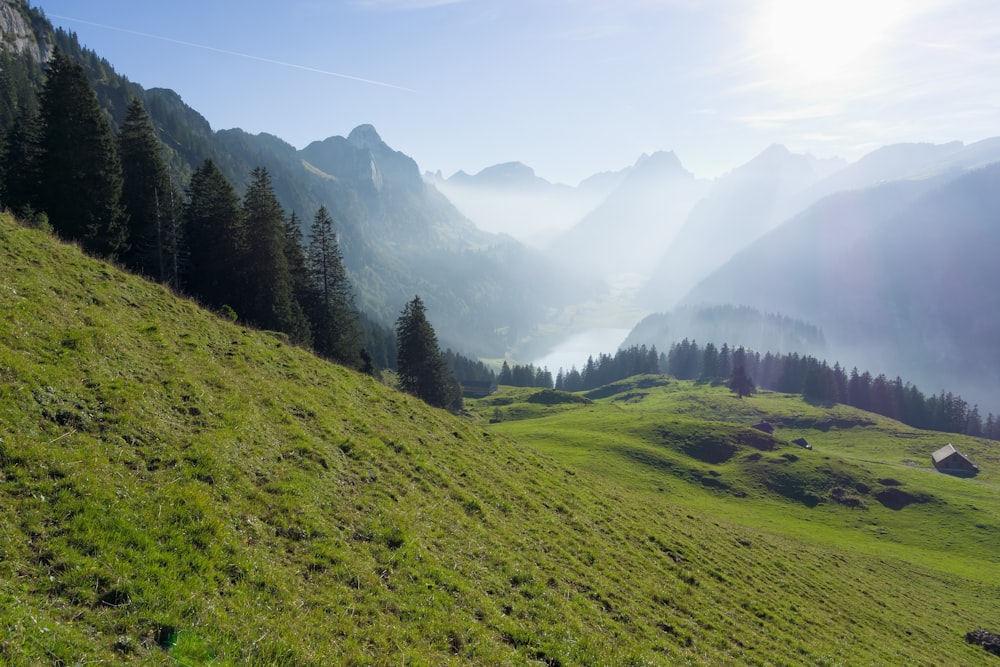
(569,87)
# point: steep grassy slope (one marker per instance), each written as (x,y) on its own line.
(179,490)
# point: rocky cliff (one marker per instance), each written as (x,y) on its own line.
(23,30)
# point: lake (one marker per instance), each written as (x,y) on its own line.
(574,350)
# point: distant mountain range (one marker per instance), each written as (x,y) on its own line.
(511,199)
(627,232)
(901,277)
(485,293)
(890,256)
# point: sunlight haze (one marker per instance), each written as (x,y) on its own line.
(569,88)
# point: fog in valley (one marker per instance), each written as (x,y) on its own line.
(880,263)
(810,168)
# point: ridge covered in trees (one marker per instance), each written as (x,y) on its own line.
(64,168)
(817,381)
(634,360)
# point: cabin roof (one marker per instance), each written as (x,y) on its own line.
(950,458)
(943,453)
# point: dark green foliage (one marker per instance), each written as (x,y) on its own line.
(469,370)
(269,298)
(335,327)
(634,360)
(820,383)
(20,79)
(22,163)
(525,375)
(81,178)
(380,343)
(741,383)
(423,371)
(148,198)
(214,232)
(683,360)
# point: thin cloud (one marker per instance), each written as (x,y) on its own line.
(779,118)
(405,5)
(238,54)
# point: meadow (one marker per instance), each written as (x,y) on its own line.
(179,489)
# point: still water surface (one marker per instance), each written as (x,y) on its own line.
(574,350)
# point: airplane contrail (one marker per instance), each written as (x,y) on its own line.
(236,53)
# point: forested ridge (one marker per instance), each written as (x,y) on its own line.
(487,293)
(819,382)
(65,169)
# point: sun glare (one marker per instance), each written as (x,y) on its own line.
(807,42)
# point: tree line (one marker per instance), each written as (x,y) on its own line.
(524,375)
(64,168)
(817,381)
(634,360)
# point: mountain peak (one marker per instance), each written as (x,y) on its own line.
(660,160)
(507,174)
(365,136)
(658,165)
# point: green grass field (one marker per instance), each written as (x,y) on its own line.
(177,489)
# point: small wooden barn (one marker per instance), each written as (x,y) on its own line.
(764,425)
(950,460)
(803,443)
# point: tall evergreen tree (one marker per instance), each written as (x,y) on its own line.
(422,368)
(215,235)
(709,363)
(81,178)
(505,377)
(22,164)
(147,197)
(741,383)
(298,268)
(336,329)
(269,300)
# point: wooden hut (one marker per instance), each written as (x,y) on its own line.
(950,460)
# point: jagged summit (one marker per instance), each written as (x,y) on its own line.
(365,136)
(507,174)
(660,160)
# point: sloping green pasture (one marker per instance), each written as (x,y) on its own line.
(177,489)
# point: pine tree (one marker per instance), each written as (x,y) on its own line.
(709,363)
(505,377)
(423,371)
(269,299)
(741,383)
(81,178)
(22,165)
(298,266)
(147,197)
(336,330)
(215,235)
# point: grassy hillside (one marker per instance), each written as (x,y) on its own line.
(180,490)
(866,493)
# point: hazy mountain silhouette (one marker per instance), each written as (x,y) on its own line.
(399,236)
(625,234)
(729,325)
(901,277)
(510,198)
(742,205)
